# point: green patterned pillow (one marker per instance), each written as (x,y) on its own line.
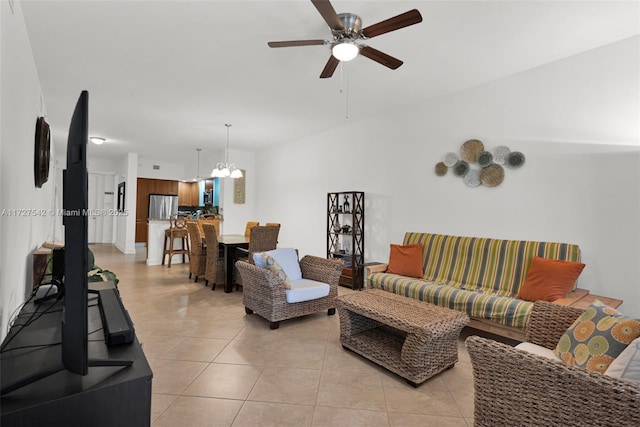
(597,337)
(272,265)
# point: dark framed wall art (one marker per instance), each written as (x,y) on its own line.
(121,193)
(42,152)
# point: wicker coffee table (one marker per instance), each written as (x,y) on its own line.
(413,339)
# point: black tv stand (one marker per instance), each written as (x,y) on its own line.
(37,390)
(8,388)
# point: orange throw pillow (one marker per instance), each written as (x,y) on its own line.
(406,260)
(549,279)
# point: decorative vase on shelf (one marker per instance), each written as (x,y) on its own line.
(336,227)
(347,207)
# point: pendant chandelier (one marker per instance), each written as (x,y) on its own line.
(226,170)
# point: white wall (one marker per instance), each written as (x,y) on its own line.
(99,165)
(167,170)
(127,172)
(20,105)
(576,120)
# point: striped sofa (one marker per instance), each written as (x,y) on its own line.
(479,276)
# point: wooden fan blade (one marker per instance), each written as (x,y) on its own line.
(380,57)
(297,43)
(331,66)
(328,13)
(403,20)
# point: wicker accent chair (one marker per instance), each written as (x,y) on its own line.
(515,387)
(264,292)
(214,270)
(198,254)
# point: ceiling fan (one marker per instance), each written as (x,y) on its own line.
(346,31)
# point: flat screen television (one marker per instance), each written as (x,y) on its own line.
(75,199)
(76,245)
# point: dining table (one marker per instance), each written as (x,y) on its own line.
(228,244)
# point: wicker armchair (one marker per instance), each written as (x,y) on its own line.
(214,266)
(265,293)
(514,387)
(198,253)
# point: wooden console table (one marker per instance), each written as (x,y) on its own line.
(581,298)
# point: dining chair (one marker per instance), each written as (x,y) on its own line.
(273,224)
(214,221)
(250,225)
(209,216)
(261,238)
(177,230)
(198,254)
(214,269)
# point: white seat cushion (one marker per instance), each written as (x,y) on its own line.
(306,290)
(538,350)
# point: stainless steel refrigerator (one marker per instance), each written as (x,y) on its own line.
(162,206)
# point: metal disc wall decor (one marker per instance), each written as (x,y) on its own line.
(515,160)
(470,150)
(492,176)
(490,173)
(472,178)
(461,168)
(450,159)
(500,154)
(441,169)
(485,159)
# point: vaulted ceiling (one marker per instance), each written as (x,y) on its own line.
(165,76)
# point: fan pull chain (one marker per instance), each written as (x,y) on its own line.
(344,83)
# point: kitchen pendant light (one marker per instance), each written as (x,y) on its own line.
(226,169)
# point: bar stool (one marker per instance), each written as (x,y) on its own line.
(176,230)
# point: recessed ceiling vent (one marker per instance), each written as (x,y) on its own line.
(156,167)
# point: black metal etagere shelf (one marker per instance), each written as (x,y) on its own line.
(345,234)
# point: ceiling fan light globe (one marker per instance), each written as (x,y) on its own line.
(236,173)
(345,51)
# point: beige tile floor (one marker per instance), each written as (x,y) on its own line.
(214,365)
